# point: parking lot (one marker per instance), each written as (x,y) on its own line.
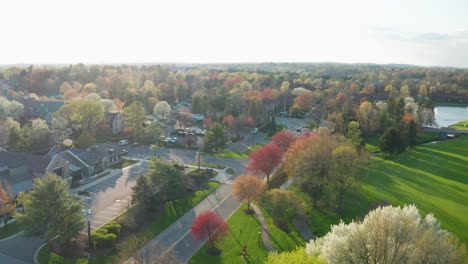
(111,196)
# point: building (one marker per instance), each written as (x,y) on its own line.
(39,108)
(112,124)
(75,164)
(18,170)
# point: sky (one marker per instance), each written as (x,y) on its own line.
(419,32)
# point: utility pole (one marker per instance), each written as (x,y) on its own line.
(88,218)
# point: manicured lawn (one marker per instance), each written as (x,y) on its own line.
(281,240)
(123,164)
(236,155)
(244,230)
(209,165)
(174,210)
(12,229)
(434,177)
(463,125)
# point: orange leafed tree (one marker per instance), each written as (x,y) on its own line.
(265,159)
(304,101)
(119,105)
(7,203)
(283,139)
(248,188)
(209,225)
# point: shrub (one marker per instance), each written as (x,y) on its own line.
(100,238)
(112,227)
(106,236)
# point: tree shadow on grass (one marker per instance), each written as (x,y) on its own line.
(269,234)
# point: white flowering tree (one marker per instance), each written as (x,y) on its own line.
(299,91)
(389,235)
(162,108)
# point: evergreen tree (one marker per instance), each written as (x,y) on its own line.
(143,193)
(166,178)
(49,210)
(215,139)
(391,143)
(412,133)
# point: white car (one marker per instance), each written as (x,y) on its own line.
(123,142)
(174,140)
(168,139)
(255,130)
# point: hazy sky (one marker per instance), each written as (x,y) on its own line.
(422,32)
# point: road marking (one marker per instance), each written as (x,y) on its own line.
(104,212)
(98,216)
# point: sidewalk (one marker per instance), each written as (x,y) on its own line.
(265,234)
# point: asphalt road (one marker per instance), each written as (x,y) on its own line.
(177,240)
(19,249)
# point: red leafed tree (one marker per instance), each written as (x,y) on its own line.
(189,140)
(207,122)
(265,159)
(229,120)
(283,139)
(269,95)
(209,225)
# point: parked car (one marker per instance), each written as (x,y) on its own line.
(168,139)
(123,152)
(255,130)
(123,142)
(299,129)
(174,140)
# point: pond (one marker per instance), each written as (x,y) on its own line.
(449,115)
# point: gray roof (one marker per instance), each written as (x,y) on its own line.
(92,155)
(13,159)
(110,116)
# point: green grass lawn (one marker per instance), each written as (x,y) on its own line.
(12,228)
(236,155)
(174,210)
(244,230)
(281,240)
(123,164)
(463,125)
(434,177)
(208,165)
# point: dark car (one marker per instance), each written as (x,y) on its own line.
(124,152)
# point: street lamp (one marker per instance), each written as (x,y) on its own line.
(198,157)
(88,219)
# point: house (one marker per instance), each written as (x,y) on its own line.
(19,170)
(35,107)
(112,123)
(75,164)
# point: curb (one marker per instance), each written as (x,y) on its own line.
(12,236)
(37,252)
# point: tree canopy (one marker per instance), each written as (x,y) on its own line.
(50,211)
